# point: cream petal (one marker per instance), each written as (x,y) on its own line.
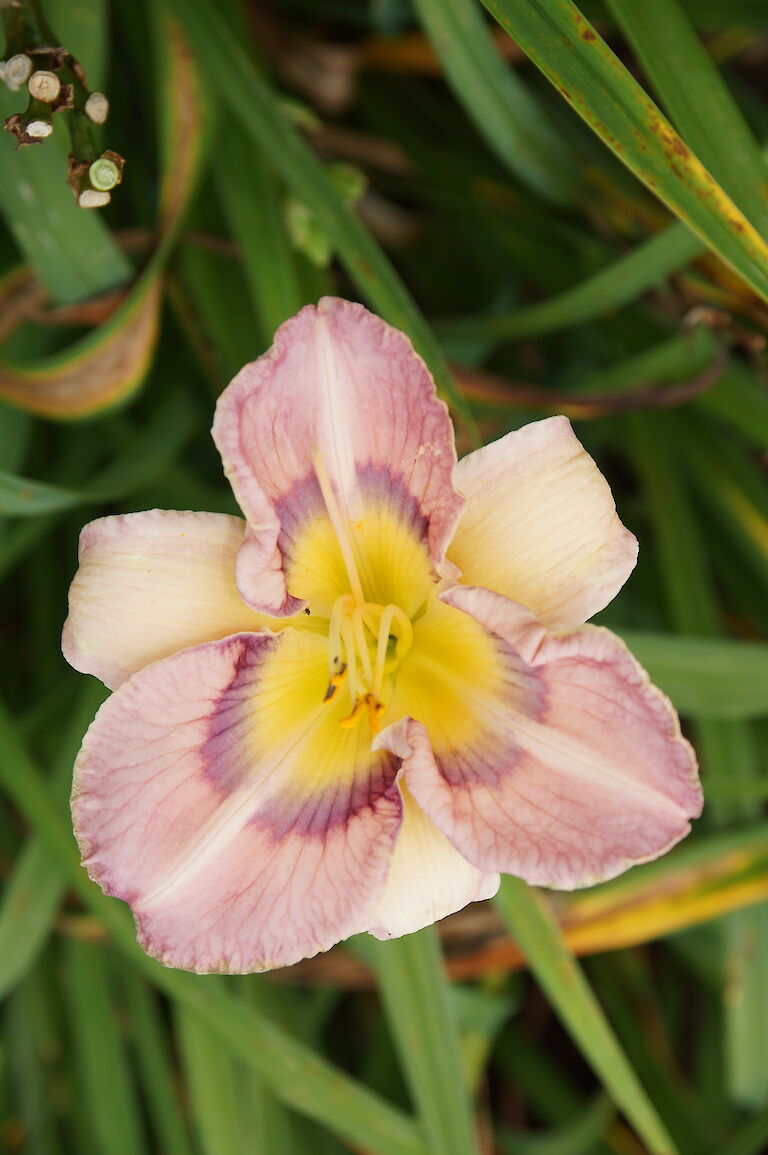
(152,583)
(344,394)
(219,797)
(576,771)
(540,525)
(428,878)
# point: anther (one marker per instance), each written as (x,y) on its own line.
(353,718)
(334,683)
(375,711)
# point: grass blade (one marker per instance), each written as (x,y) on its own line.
(746,935)
(707,677)
(210,1076)
(416,997)
(725,747)
(109,1099)
(33,892)
(496,99)
(30,901)
(145,454)
(579,1136)
(155,1070)
(593,80)
(249,99)
(739,399)
(34,1042)
(532,924)
(697,99)
(248,189)
(620,283)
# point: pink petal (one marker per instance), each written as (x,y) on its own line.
(428,878)
(591,778)
(150,584)
(540,525)
(342,387)
(244,826)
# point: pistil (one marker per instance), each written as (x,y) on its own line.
(341,525)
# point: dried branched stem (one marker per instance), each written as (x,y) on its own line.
(56,83)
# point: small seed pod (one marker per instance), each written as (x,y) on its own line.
(104,174)
(97,107)
(16,71)
(91,198)
(44,86)
(91,183)
(39,129)
(28,129)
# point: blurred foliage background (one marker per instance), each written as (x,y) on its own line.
(565,210)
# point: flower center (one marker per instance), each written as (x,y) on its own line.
(366,640)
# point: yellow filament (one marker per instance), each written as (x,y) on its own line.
(340,524)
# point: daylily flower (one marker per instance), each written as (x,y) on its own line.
(350,711)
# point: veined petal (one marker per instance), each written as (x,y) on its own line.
(219,796)
(428,878)
(576,769)
(150,584)
(540,525)
(344,394)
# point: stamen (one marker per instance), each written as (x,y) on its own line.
(341,525)
(352,631)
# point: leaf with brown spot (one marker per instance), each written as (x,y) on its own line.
(576,60)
